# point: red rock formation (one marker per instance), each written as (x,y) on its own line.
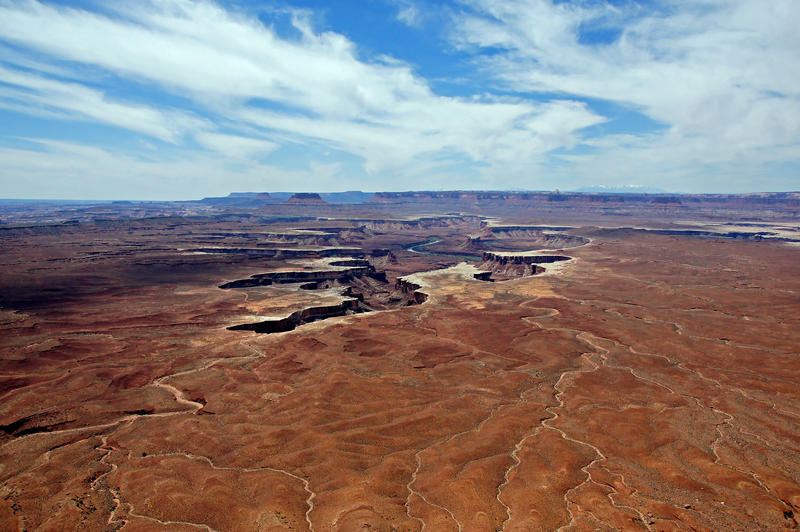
(509,266)
(306,198)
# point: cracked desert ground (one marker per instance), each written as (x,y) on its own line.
(648,381)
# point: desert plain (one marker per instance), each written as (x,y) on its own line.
(416,362)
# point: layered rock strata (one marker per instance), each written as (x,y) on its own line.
(501,266)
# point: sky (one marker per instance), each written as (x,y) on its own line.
(183,99)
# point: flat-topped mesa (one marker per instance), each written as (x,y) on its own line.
(306,198)
(503,266)
(512,258)
(258,195)
(245,200)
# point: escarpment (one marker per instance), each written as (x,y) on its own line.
(280,253)
(366,290)
(383,226)
(552,239)
(412,289)
(365,295)
(300,317)
(510,258)
(266,279)
(503,266)
(518,238)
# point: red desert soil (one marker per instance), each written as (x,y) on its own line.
(650,384)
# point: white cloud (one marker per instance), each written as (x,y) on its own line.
(235,146)
(54,98)
(66,170)
(408,13)
(317,88)
(722,75)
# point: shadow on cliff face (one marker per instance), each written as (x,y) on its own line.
(501,267)
(300,317)
(369,291)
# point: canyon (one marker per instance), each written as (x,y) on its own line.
(448,361)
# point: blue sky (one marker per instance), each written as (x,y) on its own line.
(180,99)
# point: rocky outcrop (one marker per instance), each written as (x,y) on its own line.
(352,262)
(366,293)
(382,257)
(507,266)
(511,238)
(282,253)
(366,297)
(385,226)
(266,279)
(309,238)
(483,276)
(411,289)
(504,259)
(518,232)
(308,315)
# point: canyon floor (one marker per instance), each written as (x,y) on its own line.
(362,369)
